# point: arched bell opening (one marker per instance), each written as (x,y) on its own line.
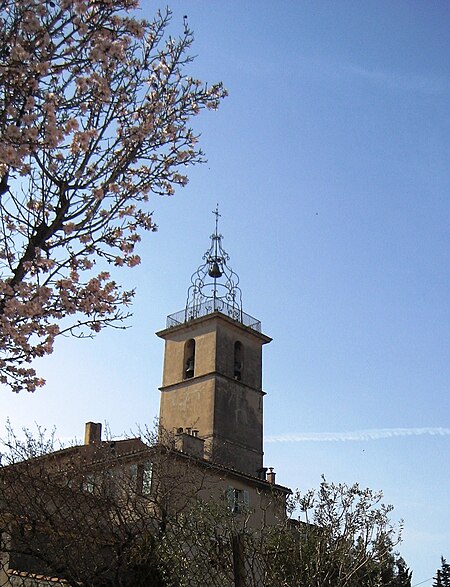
(189,359)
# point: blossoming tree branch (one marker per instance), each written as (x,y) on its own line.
(95,107)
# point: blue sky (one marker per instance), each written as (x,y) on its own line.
(329,161)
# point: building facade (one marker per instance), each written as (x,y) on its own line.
(209,451)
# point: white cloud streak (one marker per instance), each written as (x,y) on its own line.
(396,80)
(358,435)
(404,81)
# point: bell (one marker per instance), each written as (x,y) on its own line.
(214,270)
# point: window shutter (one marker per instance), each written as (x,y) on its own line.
(246,500)
(230,498)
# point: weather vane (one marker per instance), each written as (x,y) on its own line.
(216,212)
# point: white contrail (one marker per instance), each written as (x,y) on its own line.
(358,435)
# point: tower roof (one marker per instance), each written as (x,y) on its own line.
(214,287)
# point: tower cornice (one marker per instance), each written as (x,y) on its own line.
(212,375)
(213,316)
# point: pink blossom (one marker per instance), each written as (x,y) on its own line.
(133,260)
(71,125)
(98,193)
(94,137)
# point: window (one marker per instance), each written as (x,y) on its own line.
(189,359)
(144,478)
(147,474)
(238,500)
(111,482)
(238,356)
(89,484)
(133,471)
(102,482)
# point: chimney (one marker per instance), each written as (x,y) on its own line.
(262,473)
(92,433)
(190,443)
(271,476)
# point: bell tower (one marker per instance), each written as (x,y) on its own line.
(212,374)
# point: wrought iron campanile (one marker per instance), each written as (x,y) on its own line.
(214,286)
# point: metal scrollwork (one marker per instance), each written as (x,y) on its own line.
(215,286)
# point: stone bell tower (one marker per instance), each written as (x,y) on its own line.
(212,373)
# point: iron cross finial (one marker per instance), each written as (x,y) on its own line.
(217,215)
